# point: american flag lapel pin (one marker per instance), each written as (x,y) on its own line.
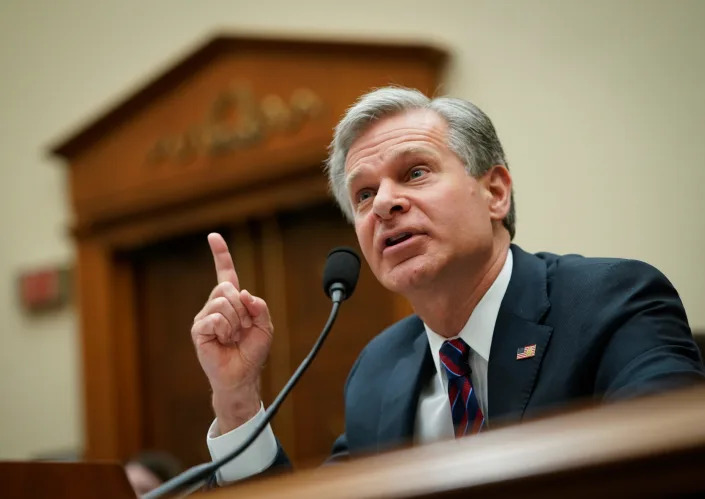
(526,352)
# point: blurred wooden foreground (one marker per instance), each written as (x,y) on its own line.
(650,447)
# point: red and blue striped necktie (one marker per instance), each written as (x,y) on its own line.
(467,415)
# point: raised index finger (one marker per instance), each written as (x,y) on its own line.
(224,266)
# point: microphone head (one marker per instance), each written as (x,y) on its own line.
(342,269)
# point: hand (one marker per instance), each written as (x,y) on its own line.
(232,334)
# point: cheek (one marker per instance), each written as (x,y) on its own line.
(445,206)
(457,211)
(364,234)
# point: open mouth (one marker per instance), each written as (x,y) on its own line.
(399,238)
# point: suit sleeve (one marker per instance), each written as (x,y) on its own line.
(341,449)
(648,345)
(265,455)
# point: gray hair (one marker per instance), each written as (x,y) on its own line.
(471,136)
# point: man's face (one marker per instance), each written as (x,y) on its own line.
(420,218)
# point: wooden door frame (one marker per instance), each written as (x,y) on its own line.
(109,316)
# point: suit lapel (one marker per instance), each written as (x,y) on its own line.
(408,376)
(511,381)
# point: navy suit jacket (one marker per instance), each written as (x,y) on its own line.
(604,329)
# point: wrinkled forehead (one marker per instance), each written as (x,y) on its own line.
(410,132)
(404,153)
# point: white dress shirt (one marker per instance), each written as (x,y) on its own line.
(433,418)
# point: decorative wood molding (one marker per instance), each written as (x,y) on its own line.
(237,120)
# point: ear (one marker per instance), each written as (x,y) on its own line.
(498,189)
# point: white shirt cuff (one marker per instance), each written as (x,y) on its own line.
(255,459)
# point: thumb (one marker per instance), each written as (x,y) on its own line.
(257,308)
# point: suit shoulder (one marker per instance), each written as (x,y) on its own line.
(397,338)
(575,268)
(400,334)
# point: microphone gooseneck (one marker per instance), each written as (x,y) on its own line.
(339,280)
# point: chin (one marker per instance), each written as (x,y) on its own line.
(408,276)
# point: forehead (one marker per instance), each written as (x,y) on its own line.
(418,130)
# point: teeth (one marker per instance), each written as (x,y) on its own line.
(399,237)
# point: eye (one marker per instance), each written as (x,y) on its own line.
(363,195)
(417,172)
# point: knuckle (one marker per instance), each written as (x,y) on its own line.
(220,302)
(240,308)
(220,321)
(227,288)
(196,328)
(236,302)
(226,324)
(200,328)
(220,289)
(219,325)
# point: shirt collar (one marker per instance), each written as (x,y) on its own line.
(479,328)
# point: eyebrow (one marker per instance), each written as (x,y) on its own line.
(397,155)
(412,151)
(349,179)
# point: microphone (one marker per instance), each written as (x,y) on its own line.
(341,273)
(339,280)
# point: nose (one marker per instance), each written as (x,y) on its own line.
(389,200)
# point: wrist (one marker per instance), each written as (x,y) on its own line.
(233,408)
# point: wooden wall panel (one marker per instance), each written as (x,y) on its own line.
(279,365)
(126,351)
(308,235)
(173,281)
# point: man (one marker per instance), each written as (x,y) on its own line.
(498,334)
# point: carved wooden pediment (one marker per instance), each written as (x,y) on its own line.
(238,112)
